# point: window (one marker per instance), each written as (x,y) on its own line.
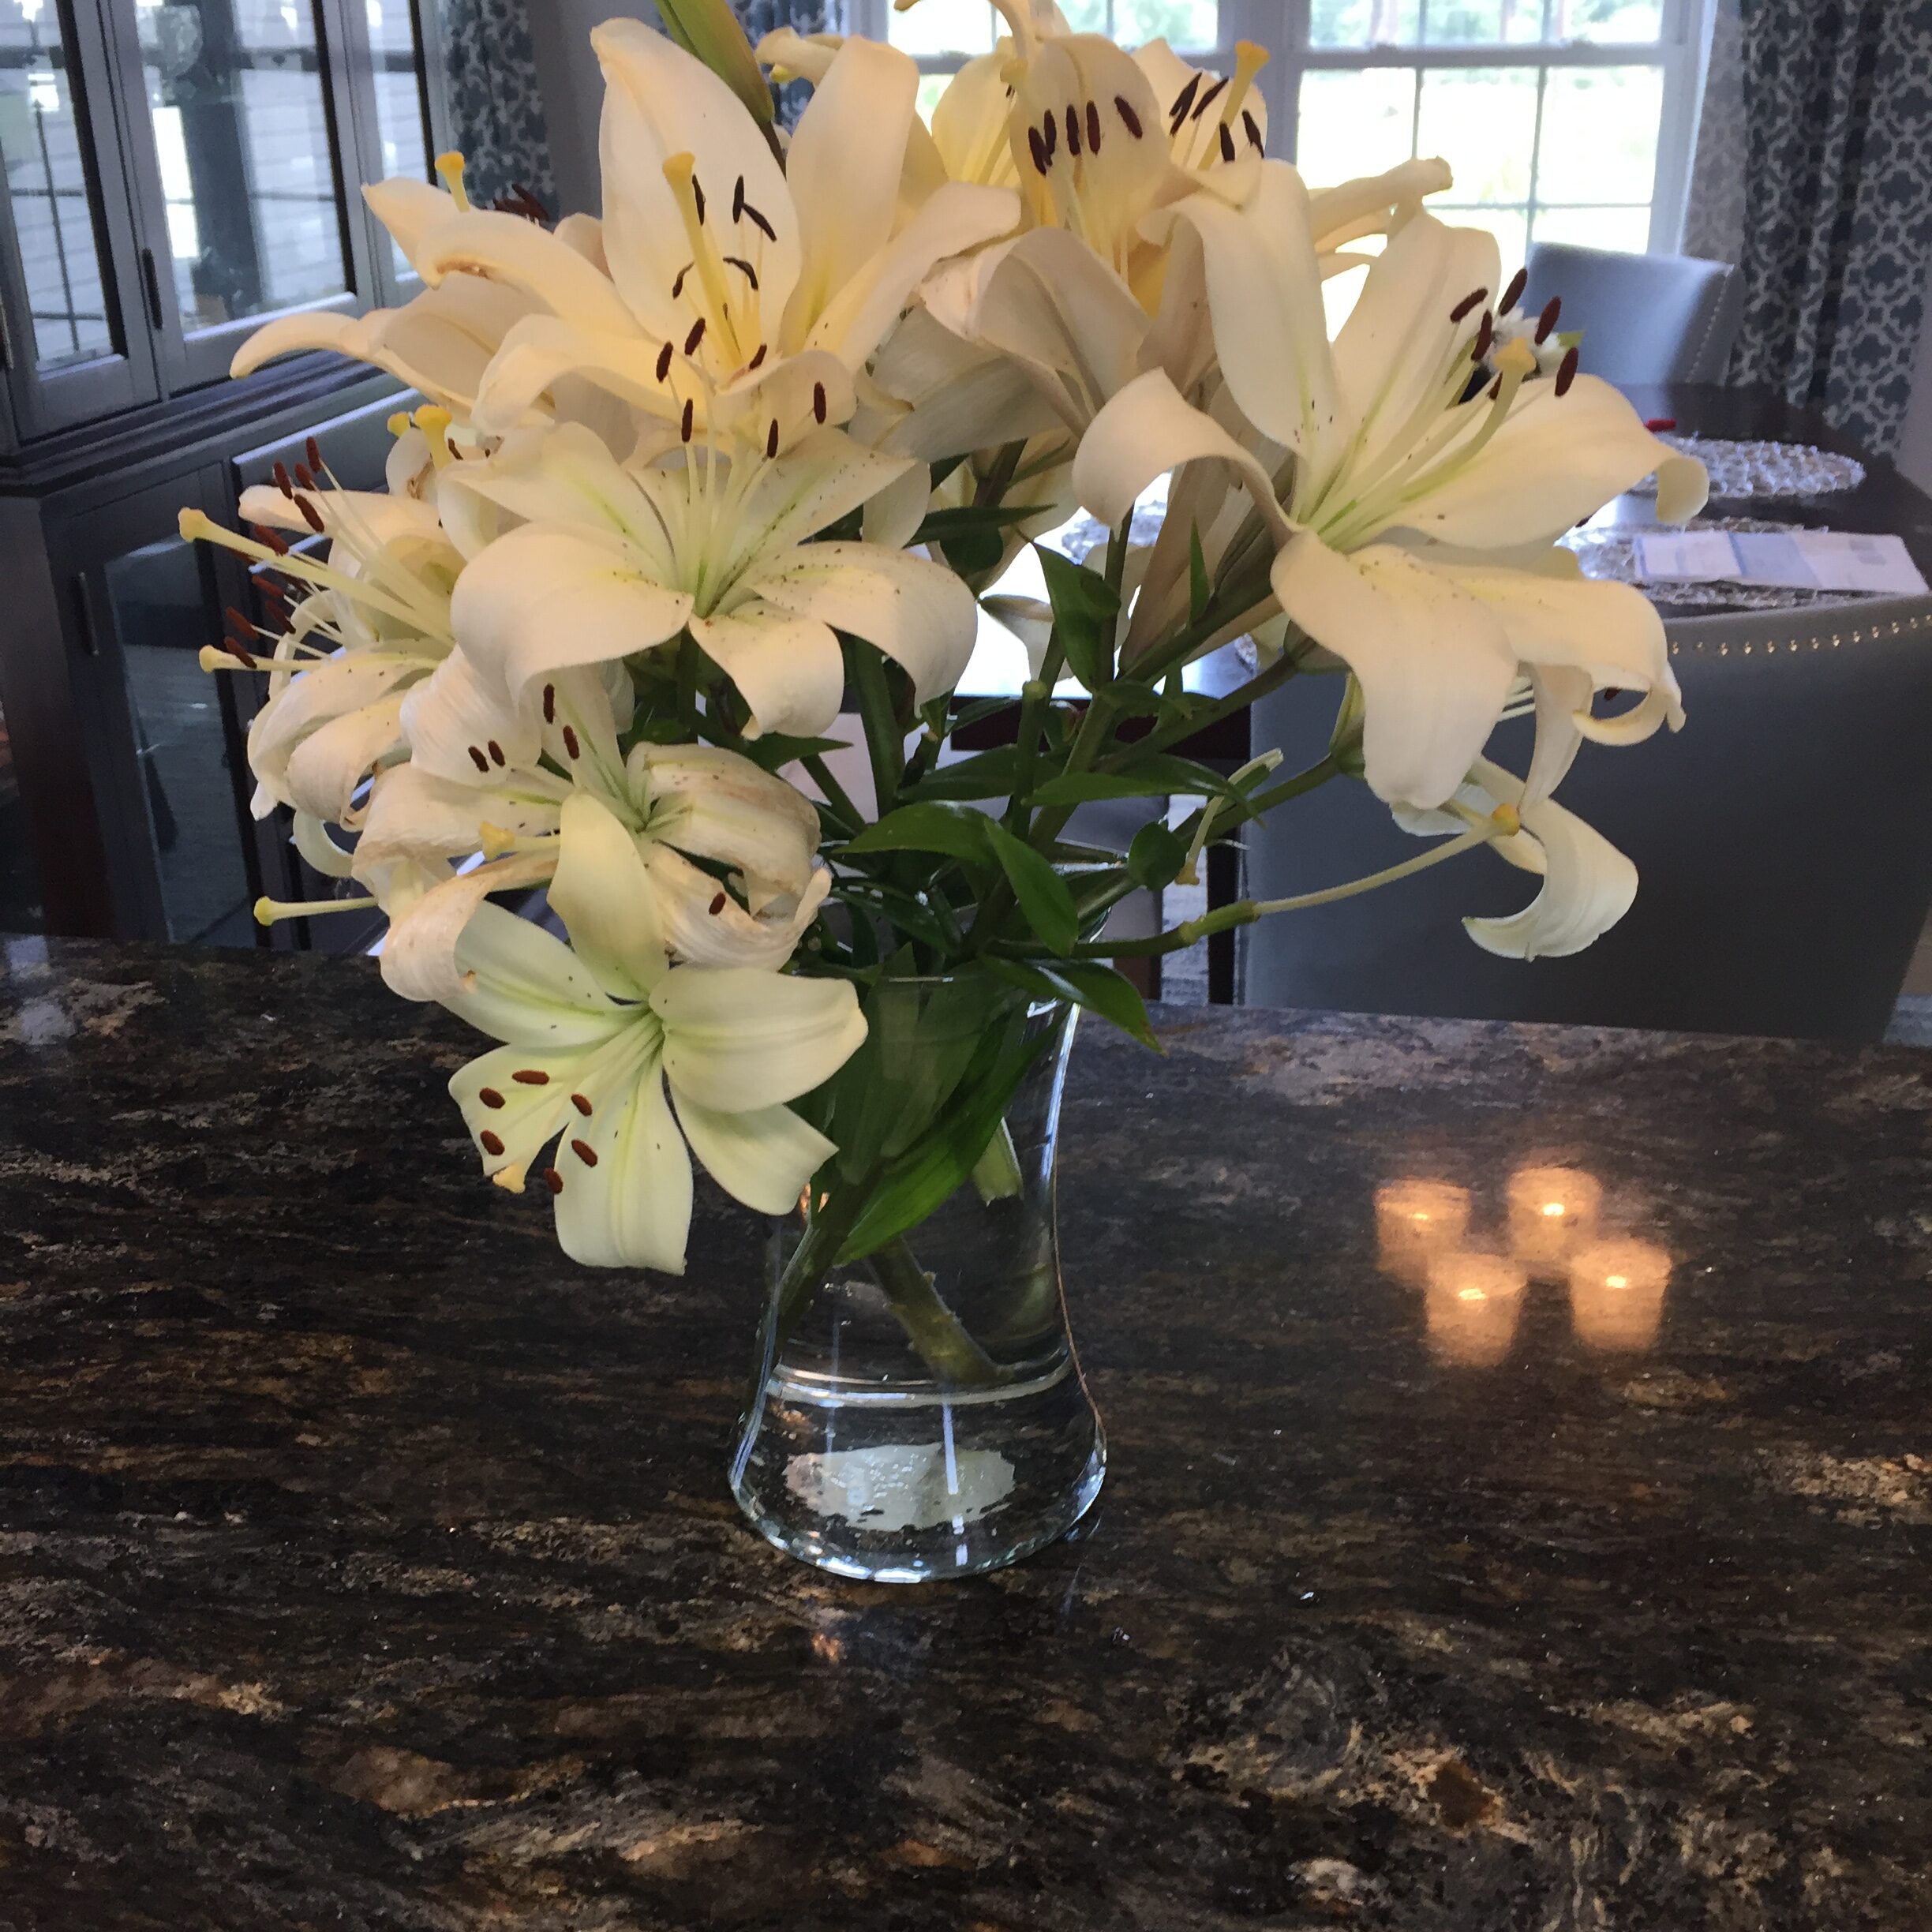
(1565,120)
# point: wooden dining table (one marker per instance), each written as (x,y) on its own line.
(364,1564)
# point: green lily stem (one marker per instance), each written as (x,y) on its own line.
(885,741)
(836,795)
(943,1344)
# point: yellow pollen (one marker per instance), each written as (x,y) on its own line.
(1506,820)
(450,166)
(493,841)
(1516,357)
(398,424)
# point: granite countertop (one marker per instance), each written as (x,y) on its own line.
(363,1564)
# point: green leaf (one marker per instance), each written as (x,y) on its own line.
(957,830)
(1086,982)
(1156,856)
(1200,592)
(1160,774)
(1042,892)
(777,749)
(986,774)
(974,550)
(941,524)
(1085,608)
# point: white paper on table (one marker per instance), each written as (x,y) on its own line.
(1782,559)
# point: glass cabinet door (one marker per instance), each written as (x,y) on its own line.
(391,81)
(21,909)
(242,174)
(72,351)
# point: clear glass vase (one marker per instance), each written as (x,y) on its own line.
(917,1410)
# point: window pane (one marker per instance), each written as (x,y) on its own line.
(1363,23)
(1607,20)
(247,165)
(1084,16)
(1510,225)
(398,94)
(1463,23)
(46,182)
(1195,23)
(1626,230)
(1482,122)
(943,26)
(180,745)
(1600,134)
(1355,123)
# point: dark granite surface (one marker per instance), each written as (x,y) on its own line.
(363,1565)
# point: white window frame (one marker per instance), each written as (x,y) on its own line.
(1282,27)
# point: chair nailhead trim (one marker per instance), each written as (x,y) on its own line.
(1899,627)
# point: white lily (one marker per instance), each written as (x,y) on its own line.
(728,287)
(613,560)
(593,1038)
(682,806)
(1588,885)
(1412,527)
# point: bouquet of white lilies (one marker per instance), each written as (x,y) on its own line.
(692,483)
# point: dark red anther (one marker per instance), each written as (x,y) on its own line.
(489,1096)
(571,745)
(313,450)
(695,336)
(1567,371)
(698,199)
(310,514)
(236,651)
(1485,336)
(738,200)
(718,904)
(1049,131)
(818,402)
(663,361)
(585,1152)
(492,1142)
(757,357)
(241,623)
(549,704)
(677,281)
(580,1104)
(305,477)
(282,479)
(496,753)
(1227,143)
(1093,127)
(1546,322)
(449,442)
(1254,132)
(531,1077)
(1184,100)
(1202,105)
(684,428)
(1468,304)
(745,269)
(1658,425)
(1129,120)
(1073,130)
(477,759)
(771,441)
(753,216)
(1513,294)
(553,1181)
(274,539)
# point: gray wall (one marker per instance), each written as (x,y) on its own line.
(573,91)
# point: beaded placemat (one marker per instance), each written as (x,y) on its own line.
(1741,472)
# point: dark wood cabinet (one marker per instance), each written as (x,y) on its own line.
(178,171)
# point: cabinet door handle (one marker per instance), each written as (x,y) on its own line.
(89,639)
(151,276)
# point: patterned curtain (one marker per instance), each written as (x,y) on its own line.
(759,17)
(1837,212)
(495,112)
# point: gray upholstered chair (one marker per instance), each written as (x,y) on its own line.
(1783,841)
(1645,318)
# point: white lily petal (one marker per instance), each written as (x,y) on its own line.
(1434,664)
(1588,885)
(762,1156)
(969,122)
(736,1039)
(659,102)
(788,670)
(823,478)
(521,1117)
(409,210)
(523,986)
(604,896)
(1029,619)
(917,612)
(545,598)
(310,837)
(540,351)
(419,956)
(794,56)
(412,814)
(1375,203)
(1557,460)
(461,726)
(324,770)
(1148,429)
(333,689)
(714,804)
(506,248)
(895,513)
(703,925)
(632,1207)
(564,475)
